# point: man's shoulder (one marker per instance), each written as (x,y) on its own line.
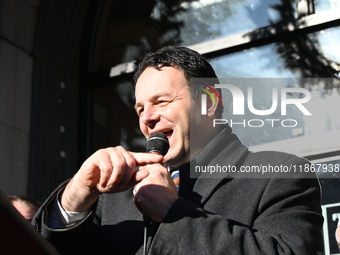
(275,157)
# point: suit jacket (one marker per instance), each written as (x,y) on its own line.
(233,213)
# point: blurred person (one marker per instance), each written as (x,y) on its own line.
(26,207)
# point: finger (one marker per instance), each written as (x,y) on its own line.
(125,176)
(136,178)
(156,167)
(143,159)
(140,174)
(123,165)
(122,170)
(105,168)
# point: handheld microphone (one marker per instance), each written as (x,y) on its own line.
(157,143)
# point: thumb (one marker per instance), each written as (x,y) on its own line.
(136,177)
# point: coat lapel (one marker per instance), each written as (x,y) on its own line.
(224,150)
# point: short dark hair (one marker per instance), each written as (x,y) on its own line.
(193,64)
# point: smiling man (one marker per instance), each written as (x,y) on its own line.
(165,108)
(96,212)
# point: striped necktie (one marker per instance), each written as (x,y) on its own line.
(174,173)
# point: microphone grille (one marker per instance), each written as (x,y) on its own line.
(157,143)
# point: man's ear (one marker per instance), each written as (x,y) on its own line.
(213,101)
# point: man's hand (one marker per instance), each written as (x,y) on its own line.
(156,193)
(106,171)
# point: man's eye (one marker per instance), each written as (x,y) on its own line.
(140,111)
(161,102)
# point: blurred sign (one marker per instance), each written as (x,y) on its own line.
(331,214)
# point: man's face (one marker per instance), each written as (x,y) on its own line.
(163,105)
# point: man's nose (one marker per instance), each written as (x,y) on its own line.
(150,115)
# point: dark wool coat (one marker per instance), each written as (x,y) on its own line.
(232,213)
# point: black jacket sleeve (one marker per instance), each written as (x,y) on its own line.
(79,238)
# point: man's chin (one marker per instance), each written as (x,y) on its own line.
(173,161)
(169,161)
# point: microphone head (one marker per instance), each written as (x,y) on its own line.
(157,143)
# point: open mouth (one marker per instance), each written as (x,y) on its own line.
(168,133)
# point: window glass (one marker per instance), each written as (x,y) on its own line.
(127,31)
(258,62)
(210,19)
(281,65)
(322,5)
(314,55)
